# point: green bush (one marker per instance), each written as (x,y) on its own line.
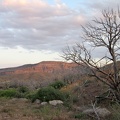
(58,84)
(68,101)
(8,93)
(23,89)
(32,96)
(48,93)
(12,92)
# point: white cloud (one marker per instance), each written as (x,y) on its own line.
(34,24)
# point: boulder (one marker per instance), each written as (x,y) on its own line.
(55,102)
(102,112)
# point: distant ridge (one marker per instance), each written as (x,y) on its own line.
(44,66)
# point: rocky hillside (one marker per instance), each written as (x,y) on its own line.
(43,72)
(42,67)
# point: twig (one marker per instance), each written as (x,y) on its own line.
(93,105)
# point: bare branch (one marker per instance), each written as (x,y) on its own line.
(105,33)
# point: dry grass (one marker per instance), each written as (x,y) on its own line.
(17,109)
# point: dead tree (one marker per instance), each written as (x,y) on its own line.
(104,33)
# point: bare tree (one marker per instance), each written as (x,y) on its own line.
(104,33)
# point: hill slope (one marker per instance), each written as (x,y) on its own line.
(42,67)
(43,72)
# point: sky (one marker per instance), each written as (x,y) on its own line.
(32,31)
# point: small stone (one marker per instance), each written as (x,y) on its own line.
(37,101)
(55,102)
(102,112)
(44,103)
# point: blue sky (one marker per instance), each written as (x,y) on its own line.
(32,31)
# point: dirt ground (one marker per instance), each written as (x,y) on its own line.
(20,109)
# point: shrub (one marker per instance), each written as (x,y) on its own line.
(58,84)
(49,93)
(23,89)
(8,93)
(68,100)
(32,96)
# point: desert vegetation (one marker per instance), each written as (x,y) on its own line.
(74,96)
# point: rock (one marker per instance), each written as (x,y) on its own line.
(44,103)
(55,102)
(102,112)
(37,101)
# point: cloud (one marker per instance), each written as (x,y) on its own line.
(35,24)
(93,8)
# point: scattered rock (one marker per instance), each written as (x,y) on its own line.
(44,103)
(102,112)
(55,102)
(37,101)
